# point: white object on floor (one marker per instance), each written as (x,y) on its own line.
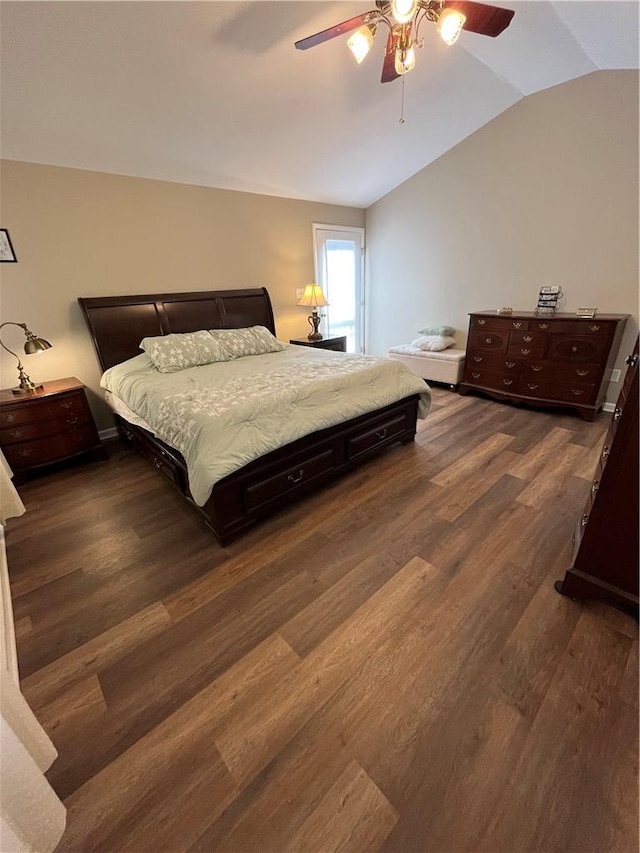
(444,366)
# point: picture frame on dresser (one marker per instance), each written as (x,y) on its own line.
(550,361)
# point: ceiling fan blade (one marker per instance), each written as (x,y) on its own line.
(482,18)
(389,72)
(338,30)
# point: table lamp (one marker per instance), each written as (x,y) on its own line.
(313,297)
(33,345)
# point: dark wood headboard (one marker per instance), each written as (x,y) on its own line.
(118,323)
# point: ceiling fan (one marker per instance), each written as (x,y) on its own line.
(403,19)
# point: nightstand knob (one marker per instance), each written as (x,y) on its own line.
(9,418)
(72,420)
(67,404)
(594,328)
(16,433)
(24,451)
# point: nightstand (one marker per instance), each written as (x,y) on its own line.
(335,344)
(47,426)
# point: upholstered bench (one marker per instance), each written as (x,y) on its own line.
(444,366)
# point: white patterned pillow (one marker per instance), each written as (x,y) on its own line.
(171,353)
(433,343)
(256,340)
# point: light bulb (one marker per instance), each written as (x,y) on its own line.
(450,24)
(405,60)
(403,10)
(360,42)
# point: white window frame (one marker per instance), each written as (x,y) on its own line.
(323,232)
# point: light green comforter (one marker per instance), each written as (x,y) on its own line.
(222,416)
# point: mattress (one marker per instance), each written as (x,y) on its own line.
(224,415)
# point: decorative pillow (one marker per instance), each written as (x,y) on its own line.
(433,343)
(256,340)
(171,353)
(440,331)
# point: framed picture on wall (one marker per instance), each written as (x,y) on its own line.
(7,255)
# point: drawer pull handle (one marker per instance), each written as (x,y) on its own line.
(517,324)
(157,463)
(25,451)
(67,404)
(574,349)
(595,486)
(488,340)
(525,351)
(577,392)
(631,360)
(481,322)
(527,338)
(582,372)
(510,364)
(381,433)
(72,420)
(532,386)
(606,450)
(543,325)
(594,328)
(507,381)
(478,358)
(536,368)
(617,414)
(9,418)
(584,519)
(16,433)
(296,478)
(476,375)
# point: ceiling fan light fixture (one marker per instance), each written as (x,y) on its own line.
(403,10)
(450,24)
(360,42)
(405,60)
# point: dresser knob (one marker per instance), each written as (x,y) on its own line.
(527,338)
(582,372)
(525,351)
(488,340)
(577,392)
(543,325)
(594,328)
(481,322)
(532,386)
(476,375)
(72,420)
(517,324)
(574,349)
(584,519)
(9,418)
(617,414)
(77,436)
(510,364)
(507,381)
(16,433)
(536,368)
(606,450)
(631,360)
(595,486)
(478,358)
(24,451)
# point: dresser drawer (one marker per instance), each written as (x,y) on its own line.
(272,488)
(565,391)
(499,363)
(488,342)
(492,379)
(526,351)
(41,429)
(376,436)
(575,348)
(552,370)
(506,324)
(575,327)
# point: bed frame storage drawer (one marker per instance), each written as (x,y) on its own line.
(273,488)
(377,436)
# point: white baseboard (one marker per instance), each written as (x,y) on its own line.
(609,407)
(112,432)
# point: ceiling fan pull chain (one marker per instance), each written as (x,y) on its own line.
(402,103)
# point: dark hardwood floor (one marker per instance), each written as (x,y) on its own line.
(384,666)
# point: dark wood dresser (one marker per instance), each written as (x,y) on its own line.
(558,361)
(605,560)
(47,426)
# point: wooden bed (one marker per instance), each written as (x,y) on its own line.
(117,325)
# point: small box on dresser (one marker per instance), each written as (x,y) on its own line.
(605,559)
(557,361)
(47,426)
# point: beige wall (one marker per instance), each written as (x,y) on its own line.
(79,233)
(547,193)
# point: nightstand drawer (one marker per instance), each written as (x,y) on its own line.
(41,451)
(29,431)
(41,410)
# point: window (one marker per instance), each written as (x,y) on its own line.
(338,253)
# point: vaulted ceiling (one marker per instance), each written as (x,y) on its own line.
(214,93)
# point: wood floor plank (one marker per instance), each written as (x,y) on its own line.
(476,458)
(80,698)
(548,448)
(550,482)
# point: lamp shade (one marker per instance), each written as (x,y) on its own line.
(312,296)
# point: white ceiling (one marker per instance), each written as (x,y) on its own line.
(214,93)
